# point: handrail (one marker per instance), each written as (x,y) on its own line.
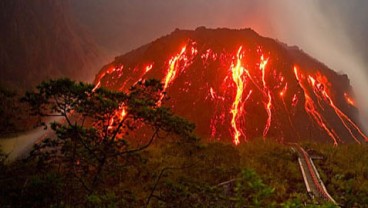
(313,172)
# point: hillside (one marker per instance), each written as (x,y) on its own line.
(236,85)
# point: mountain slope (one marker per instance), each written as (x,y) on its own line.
(236,85)
(39,39)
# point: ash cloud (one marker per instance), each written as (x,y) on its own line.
(332,31)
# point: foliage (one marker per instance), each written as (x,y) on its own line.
(91,150)
(188,175)
(251,191)
(344,171)
(221,175)
(99,157)
(278,167)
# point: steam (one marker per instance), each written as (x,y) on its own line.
(332,31)
(323,31)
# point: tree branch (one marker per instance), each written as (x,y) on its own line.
(142,147)
(118,128)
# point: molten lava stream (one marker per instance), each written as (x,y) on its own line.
(238,103)
(282,95)
(268,107)
(349,100)
(267,93)
(173,69)
(172,72)
(346,121)
(311,109)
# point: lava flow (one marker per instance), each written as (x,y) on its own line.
(268,104)
(238,104)
(311,109)
(349,99)
(320,88)
(172,72)
(237,93)
(173,69)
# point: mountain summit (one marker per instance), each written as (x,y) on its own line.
(237,85)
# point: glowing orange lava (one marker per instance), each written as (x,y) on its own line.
(311,109)
(238,104)
(349,100)
(212,93)
(102,75)
(267,92)
(148,68)
(283,91)
(262,67)
(173,69)
(269,113)
(220,83)
(320,88)
(123,113)
(111,122)
(96,86)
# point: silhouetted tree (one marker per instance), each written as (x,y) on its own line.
(101,132)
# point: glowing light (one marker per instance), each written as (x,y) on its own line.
(269,113)
(226,92)
(282,95)
(267,92)
(237,106)
(194,51)
(96,86)
(349,100)
(262,67)
(212,92)
(111,122)
(320,88)
(173,69)
(123,113)
(283,91)
(295,100)
(148,68)
(110,70)
(311,109)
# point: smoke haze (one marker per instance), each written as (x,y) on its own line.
(332,31)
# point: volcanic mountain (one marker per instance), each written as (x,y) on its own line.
(40,39)
(237,85)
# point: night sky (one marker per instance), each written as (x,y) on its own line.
(333,31)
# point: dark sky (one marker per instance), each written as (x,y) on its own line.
(333,31)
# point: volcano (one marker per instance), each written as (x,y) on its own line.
(236,85)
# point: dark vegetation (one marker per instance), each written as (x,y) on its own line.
(344,170)
(149,158)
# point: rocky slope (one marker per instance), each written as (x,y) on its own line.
(237,85)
